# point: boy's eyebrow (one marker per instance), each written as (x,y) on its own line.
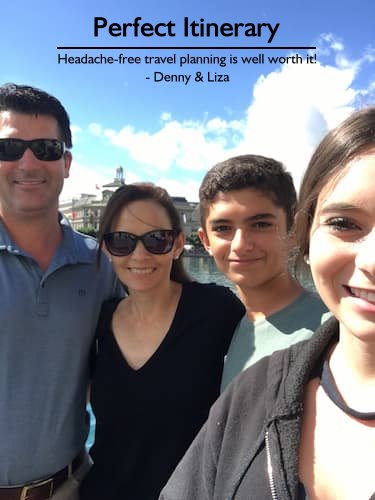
(259,216)
(265,215)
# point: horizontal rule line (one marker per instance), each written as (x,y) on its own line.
(184,48)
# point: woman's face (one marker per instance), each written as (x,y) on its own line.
(143,270)
(342,247)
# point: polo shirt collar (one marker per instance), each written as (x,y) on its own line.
(74,248)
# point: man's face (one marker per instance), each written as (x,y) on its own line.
(246,233)
(29,186)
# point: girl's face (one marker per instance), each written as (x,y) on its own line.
(342,247)
(142,270)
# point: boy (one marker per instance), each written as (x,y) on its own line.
(247,206)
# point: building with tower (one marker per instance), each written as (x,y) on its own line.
(84,211)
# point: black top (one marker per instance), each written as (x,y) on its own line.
(249,447)
(147,418)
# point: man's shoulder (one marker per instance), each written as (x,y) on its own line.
(86,240)
(82,246)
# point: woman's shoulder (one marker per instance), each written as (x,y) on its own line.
(111,303)
(108,308)
(214,302)
(210,289)
(211,293)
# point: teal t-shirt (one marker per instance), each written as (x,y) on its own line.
(254,340)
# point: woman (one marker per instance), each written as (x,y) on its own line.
(160,350)
(301,423)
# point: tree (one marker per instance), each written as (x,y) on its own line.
(193,239)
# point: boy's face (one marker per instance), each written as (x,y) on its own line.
(246,233)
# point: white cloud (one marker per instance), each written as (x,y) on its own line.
(82,179)
(220,125)
(165,117)
(177,188)
(293,108)
(290,110)
(369,55)
(95,129)
(188,145)
(75,133)
(328,43)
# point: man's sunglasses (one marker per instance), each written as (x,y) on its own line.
(121,243)
(43,149)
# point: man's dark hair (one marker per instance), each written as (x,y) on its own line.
(33,101)
(249,171)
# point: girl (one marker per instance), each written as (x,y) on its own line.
(301,423)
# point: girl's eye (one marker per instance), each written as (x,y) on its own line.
(341,224)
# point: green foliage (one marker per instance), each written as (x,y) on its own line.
(193,239)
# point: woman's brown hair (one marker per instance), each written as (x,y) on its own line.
(143,191)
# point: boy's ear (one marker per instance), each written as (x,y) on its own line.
(204,239)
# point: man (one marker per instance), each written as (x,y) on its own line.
(51,296)
(247,206)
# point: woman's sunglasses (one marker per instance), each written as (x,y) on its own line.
(43,149)
(121,243)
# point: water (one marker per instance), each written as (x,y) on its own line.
(202,269)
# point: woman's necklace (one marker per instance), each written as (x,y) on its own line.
(329,387)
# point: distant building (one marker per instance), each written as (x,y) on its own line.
(189,213)
(118,181)
(84,212)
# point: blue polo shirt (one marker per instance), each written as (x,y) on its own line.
(47,323)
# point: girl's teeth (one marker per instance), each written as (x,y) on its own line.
(363,294)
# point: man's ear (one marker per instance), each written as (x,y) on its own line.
(68,162)
(204,239)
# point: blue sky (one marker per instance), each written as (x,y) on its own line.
(171,133)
